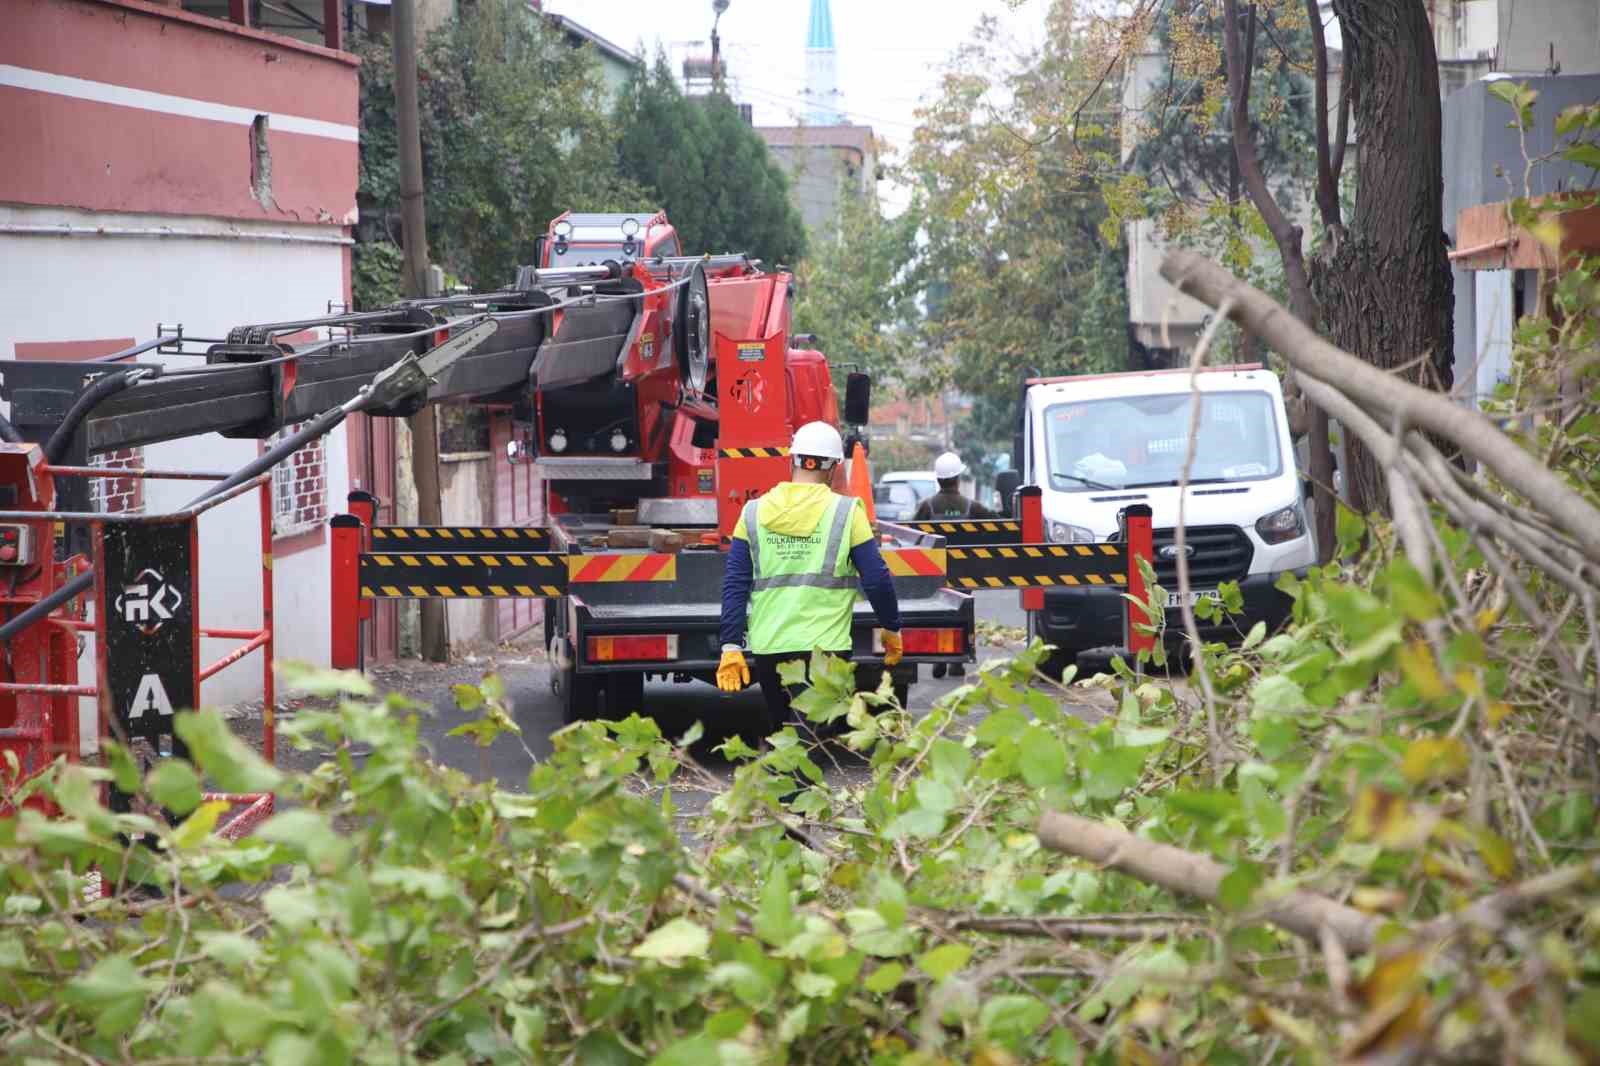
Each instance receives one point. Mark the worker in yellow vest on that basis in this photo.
(798, 556)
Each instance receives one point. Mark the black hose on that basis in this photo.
(98, 390)
(8, 432)
(41, 610)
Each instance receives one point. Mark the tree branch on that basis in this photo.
(1327, 188)
(1390, 396)
(1186, 873)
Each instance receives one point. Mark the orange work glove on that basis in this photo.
(732, 673)
(893, 649)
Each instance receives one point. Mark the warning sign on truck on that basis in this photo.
(752, 352)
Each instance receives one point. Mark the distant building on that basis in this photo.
(826, 155)
(163, 166)
(823, 161)
(1555, 48)
(1164, 325)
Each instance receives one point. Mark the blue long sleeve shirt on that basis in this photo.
(865, 557)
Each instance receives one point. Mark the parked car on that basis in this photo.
(898, 493)
(894, 501)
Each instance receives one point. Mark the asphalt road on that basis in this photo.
(537, 710)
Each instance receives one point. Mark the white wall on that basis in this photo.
(1494, 312)
(76, 288)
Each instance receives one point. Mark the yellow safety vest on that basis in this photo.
(803, 592)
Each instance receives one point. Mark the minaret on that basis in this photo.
(822, 83)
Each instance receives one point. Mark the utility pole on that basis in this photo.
(414, 275)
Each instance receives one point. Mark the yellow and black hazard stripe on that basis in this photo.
(1036, 565)
(959, 531)
(751, 453)
(505, 537)
(469, 575)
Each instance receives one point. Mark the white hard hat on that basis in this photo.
(948, 465)
(818, 440)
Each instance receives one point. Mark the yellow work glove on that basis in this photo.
(732, 673)
(893, 649)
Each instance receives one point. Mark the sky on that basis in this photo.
(890, 53)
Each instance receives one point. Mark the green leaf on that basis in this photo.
(776, 921)
(943, 960)
(112, 994)
(229, 761)
(1011, 1017)
(1043, 760)
(1239, 885)
(1277, 694)
(1257, 634)
(124, 770)
(199, 825)
(1107, 774)
(679, 939)
(949, 761)
(1003, 723)
(233, 950)
(814, 985)
(1410, 592)
(1262, 808)
(1585, 154)
(884, 978)
(696, 1050)
(934, 795)
(918, 823)
(1349, 528)
(727, 1024)
(468, 697)
(174, 784)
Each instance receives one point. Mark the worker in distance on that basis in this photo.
(946, 504)
(949, 502)
(798, 555)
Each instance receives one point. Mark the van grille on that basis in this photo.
(1221, 553)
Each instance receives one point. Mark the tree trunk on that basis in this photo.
(1385, 290)
(1238, 47)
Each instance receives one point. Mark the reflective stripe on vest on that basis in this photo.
(826, 578)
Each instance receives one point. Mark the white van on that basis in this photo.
(1095, 444)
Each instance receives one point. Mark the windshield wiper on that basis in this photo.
(1091, 484)
(1174, 482)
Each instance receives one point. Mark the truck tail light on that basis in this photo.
(632, 649)
(927, 641)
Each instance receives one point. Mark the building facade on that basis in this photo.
(169, 168)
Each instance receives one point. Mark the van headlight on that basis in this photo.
(1281, 525)
(1062, 533)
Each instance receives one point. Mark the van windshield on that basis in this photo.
(1139, 441)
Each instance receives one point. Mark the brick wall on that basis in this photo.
(122, 495)
(299, 489)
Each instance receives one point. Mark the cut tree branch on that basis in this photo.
(1388, 396)
(1187, 873)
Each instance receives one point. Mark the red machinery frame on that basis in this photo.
(44, 720)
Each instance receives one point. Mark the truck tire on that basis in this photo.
(581, 694)
(1057, 659)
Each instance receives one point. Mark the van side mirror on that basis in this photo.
(1006, 483)
(857, 399)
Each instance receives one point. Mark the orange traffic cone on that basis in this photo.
(861, 480)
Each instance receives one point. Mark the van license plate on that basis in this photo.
(1175, 599)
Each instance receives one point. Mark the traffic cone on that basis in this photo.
(861, 480)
